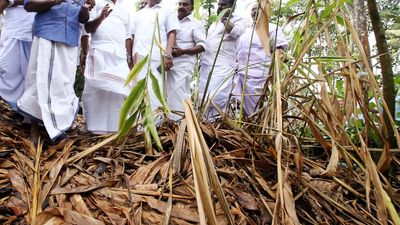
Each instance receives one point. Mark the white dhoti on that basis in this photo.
(253, 88)
(49, 86)
(14, 58)
(104, 91)
(178, 89)
(219, 88)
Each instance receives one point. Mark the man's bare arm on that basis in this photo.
(129, 45)
(171, 40)
(3, 5)
(41, 5)
(176, 52)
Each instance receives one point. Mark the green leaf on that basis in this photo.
(149, 125)
(136, 69)
(127, 125)
(222, 13)
(340, 20)
(197, 9)
(131, 101)
(157, 91)
(327, 11)
(290, 3)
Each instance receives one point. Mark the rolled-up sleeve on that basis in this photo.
(238, 29)
(199, 35)
(278, 39)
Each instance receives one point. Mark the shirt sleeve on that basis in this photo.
(133, 23)
(128, 26)
(277, 38)
(172, 21)
(199, 35)
(238, 29)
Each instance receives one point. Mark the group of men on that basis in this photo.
(40, 87)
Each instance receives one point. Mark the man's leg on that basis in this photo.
(178, 89)
(14, 56)
(55, 80)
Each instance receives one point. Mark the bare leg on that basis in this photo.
(34, 132)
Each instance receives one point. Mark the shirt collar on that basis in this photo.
(189, 17)
(155, 6)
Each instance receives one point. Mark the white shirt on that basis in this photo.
(17, 23)
(112, 33)
(190, 35)
(258, 55)
(227, 54)
(143, 28)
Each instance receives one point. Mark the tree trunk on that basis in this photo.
(360, 14)
(360, 17)
(386, 66)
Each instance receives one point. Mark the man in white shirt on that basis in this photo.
(16, 42)
(190, 41)
(143, 41)
(107, 66)
(259, 63)
(220, 84)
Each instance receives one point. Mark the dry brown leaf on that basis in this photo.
(74, 217)
(81, 189)
(176, 212)
(18, 206)
(79, 205)
(333, 162)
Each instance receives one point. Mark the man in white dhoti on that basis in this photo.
(143, 40)
(220, 85)
(107, 66)
(259, 64)
(190, 41)
(15, 47)
(49, 94)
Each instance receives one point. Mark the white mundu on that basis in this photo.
(257, 67)
(221, 81)
(106, 69)
(143, 27)
(16, 42)
(178, 79)
(49, 96)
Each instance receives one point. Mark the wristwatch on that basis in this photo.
(167, 55)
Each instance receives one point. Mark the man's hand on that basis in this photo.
(105, 12)
(176, 52)
(82, 64)
(129, 60)
(168, 64)
(229, 25)
(89, 4)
